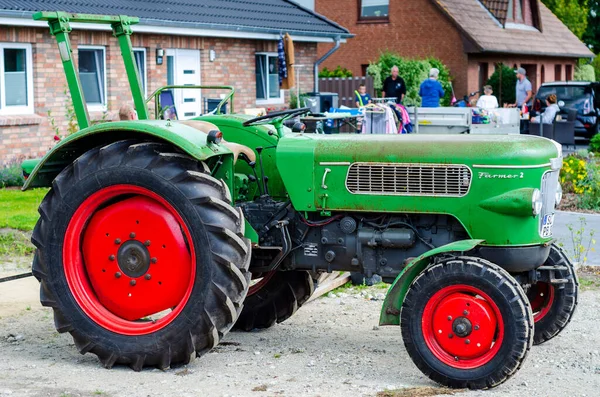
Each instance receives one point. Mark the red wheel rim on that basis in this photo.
(462, 326)
(541, 298)
(264, 280)
(128, 255)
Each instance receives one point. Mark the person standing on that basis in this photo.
(361, 98)
(487, 101)
(431, 90)
(394, 86)
(524, 90)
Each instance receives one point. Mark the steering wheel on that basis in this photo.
(276, 118)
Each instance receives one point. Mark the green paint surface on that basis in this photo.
(390, 312)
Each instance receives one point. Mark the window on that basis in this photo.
(140, 60)
(569, 72)
(374, 9)
(16, 78)
(515, 10)
(522, 15)
(267, 79)
(543, 74)
(557, 72)
(483, 74)
(92, 73)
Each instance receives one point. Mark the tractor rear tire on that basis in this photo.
(466, 323)
(141, 255)
(274, 299)
(554, 305)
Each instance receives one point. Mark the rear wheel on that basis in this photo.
(466, 323)
(273, 298)
(553, 305)
(141, 255)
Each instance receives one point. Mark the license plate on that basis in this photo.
(547, 223)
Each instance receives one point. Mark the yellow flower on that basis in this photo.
(581, 163)
(571, 161)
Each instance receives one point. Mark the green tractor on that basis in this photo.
(157, 237)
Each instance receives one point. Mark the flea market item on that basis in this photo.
(159, 236)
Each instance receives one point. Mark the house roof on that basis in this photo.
(260, 16)
(481, 23)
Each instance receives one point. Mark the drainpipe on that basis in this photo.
(337, 41)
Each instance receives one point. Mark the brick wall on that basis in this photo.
(416, 29)
(27, 136)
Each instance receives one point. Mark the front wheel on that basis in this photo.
(466, 323)
(553, 305)
(141, 255)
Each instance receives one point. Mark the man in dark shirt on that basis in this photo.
(394, 86)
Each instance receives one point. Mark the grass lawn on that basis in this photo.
(18, 210)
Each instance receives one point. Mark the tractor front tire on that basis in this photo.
(466, 323)
(553, 305)
(141, 255)
(274, 298)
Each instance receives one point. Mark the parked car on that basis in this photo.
(584, 96)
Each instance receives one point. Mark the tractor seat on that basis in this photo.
(236, 148)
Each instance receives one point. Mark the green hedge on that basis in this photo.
(413, 71)
(509, 82)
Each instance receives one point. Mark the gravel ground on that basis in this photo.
(331, 347)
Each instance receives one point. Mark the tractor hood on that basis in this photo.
(515, 150)
(470, 177)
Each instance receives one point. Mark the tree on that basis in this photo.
(584, 73)
(592, 34)
(413, 71)
(509, 80)
(573, 13)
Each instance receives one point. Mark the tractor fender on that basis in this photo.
(185, 137)
(390, 312)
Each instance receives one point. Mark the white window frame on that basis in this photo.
(95, 107)
(144, 76)
(270, 101)
(14, 110)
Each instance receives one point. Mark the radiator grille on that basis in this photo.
(409, 179)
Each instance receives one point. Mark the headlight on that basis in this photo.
(536, 202)
(558, 196)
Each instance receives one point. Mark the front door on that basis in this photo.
(183, 68)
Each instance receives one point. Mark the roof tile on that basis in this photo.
(555, 39)
(241, 15)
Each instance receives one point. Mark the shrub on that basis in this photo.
(11, 175)
(584, 73)
(294, 100)
(596, 65)
(413, 72)
(573, 173)
(509, 80)
(337, 72)
(595, 144)
(582, 177)
(589, 187)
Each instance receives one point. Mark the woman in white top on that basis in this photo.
(551, 111)
(487, 101)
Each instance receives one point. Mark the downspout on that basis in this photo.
(319, 61)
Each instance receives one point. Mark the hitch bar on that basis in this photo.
(16, 277)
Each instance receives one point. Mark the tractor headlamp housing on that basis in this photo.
(558, 196)
(215, 137)
(536, 202)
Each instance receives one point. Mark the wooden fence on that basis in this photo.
(345, 88)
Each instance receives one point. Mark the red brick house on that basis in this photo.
(470, 36)
(226, 42)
